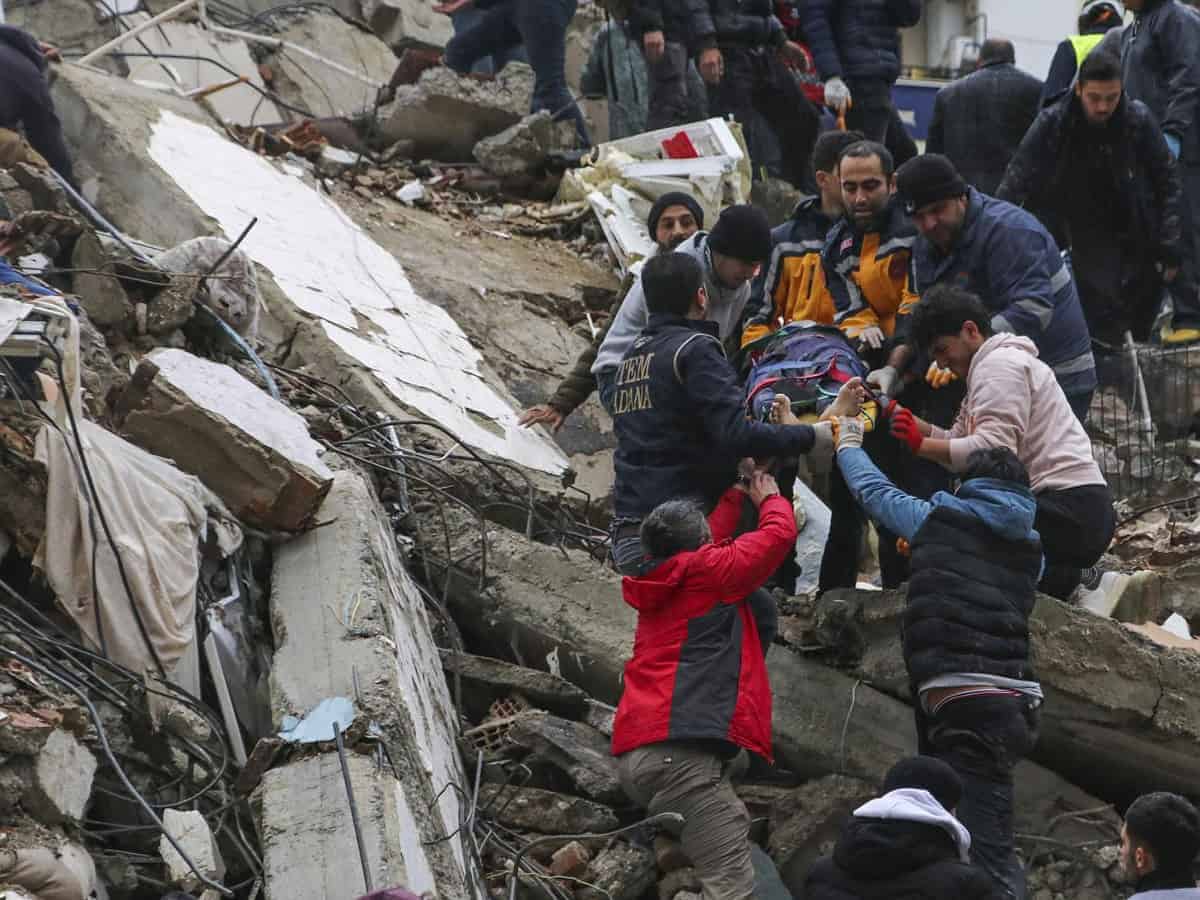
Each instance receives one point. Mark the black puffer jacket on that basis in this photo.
(1160, 59)
(978, 121)
(877, 859)
(737, 23)
(1132, 150)
(25, 98)
(857, 40)
(676, 19)
(975, 568)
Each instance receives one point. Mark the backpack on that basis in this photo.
(805, 361)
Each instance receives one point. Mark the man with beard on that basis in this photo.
(1096, 169)
(673, 219)
(1159, 843)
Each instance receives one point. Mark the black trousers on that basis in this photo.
(671, 100)
(874, 114)
(1076, 526)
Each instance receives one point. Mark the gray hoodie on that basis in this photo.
(916, 805)
(725, 307)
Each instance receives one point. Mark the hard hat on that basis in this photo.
(1093, 8)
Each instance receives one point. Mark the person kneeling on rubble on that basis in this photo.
(976, 560)
(696, 693)
(905, 844)
(25, 103)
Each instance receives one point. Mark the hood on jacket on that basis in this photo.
(658, 587)
(25, 43)
(995, 342)
(1007, 509)
(917, 806)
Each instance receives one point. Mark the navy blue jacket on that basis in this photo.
(680, 419)
(857, 40)
(737, 23)
(1008, 258)
(1160, 59)
(25, 100)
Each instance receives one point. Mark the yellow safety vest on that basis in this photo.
(1084, 44)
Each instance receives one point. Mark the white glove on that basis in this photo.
(885, 379)
(850, 433)
(872, 336)
(837, 95)
(821, 454)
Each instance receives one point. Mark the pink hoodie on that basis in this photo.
(1013, 400)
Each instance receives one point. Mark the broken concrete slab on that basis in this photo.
(488, 679)
(22, 733)
(581, 751)
(348, 621)
(522, 149)
(806, 824)
(100, 294)
(308, 842)
(407, 23)
(622, 872)
(191, 832)
(61, 782)
(547, 812)
(249, 449)
(447, 114)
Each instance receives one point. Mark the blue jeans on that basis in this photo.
(466, 19)
(541, 25)
(982, 739)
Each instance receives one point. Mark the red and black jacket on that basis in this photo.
(698, 670)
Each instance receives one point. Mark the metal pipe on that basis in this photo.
(358, 834)
(279, 43)
(98, 219)
(1143, 399)
(116, 42)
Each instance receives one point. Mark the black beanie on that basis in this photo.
(674, 198)
(927, 179)
(926, 773)
(742, 232)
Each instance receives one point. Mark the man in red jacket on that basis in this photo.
(696, 690)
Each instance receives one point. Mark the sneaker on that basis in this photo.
(1101, 593)
(1135, 597)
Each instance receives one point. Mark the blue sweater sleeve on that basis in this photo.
(882, 501)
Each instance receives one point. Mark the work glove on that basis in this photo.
(821, 453)
(872, 336)
(937, 377)
(1172, 144)
(837, 95)
(904, 426)
(849, 433)
(884, 379)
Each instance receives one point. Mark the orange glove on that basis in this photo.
(937, 377)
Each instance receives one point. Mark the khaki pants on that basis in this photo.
(676, 777)
(15, 149)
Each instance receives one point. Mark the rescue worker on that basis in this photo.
(1004, 255)
(1097, 171)
(978, 121)
(25, 103)
(1096, 19)
(1159, 843)
(674, 217)
(1160, 61)
(666, 30)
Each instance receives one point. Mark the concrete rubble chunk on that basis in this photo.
(446, 114)
(581, 751)
(570, 859)
(61, 780)
(489, 678)
(403, 23)
(23, 733)
(249, 449)
(622, 872)
(677, 882)
(547, 812)
(191, 832)
(806, 824)
(100, 294)
(522, 148)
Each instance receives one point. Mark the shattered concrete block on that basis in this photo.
(330, 92)
(805, 825)
(579, 750)
(192, 833)
(522, 148)
(600, 716)
(545, 811)
(403, 23)
(100, 294)
(61, 782)
(14, 776)
(622, 872)
(570, 860)
(334, 161)
(249, 449)
(446, 114)
(489, 679)
(22, 733)
(677, 882)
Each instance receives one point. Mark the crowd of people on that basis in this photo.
(958, 295)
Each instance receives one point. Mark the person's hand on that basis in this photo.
(781, 411)
(849, 400)
(655, 45)
(837, 95)
(543, 414)
(49, 51)
(937, 377)
(452, 6)
(711, 65)
(762, 486)
(849, 433)
(793, 54)
(872, 336)
(884, 379)
(904, 427)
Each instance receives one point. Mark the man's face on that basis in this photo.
(942, 222)
(955, 351)
(1099, 99)
(865, 189)
(732, 273)
(675, 225)
(831, 191)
